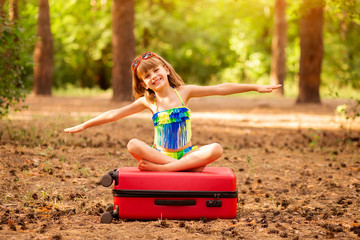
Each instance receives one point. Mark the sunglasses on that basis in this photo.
(137, 61)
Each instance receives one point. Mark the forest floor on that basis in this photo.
(297, 169)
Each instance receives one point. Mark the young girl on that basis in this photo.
(156, 86)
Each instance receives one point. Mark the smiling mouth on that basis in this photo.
(155, 82)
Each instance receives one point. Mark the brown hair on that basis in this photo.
(144, 66)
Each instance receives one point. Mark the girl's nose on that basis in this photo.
(152, 75)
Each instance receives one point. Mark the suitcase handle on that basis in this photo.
(167, 202)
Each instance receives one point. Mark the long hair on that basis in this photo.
(145, 65)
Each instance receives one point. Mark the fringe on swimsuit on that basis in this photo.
(173, 129)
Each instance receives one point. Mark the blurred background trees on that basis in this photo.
(15, 57)
(311, 48)
(226, 41)
(44, 52)
(279, 38)
(123, 45)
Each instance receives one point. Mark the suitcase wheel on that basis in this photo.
(106, 180)
(111, 171)
(109, 208)
(106, 217)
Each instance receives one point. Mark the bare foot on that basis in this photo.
(149, 166)
(198, 169)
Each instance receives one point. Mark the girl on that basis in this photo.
(156, 86)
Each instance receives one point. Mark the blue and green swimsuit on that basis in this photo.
(173, 129)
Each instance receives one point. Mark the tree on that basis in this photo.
(123, 48)
(13, 10)
(278, 61)
(14, 44)
(2, 13)
(43, 53)
(311, 51)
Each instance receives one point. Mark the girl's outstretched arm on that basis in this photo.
(227, 89)
(111, 115)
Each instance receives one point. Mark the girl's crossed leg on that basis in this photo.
(151, 159)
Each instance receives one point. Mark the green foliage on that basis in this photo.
(82, 39)
(341, 40)
(219, 43)
(207, 41)
(14, 42)
(315, 137)
(250, 164)
(188, 35)
(250, 40)
(349, 111)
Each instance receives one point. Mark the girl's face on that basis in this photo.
(156, 77)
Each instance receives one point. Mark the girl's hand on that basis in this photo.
(268, 88)
(75, 129)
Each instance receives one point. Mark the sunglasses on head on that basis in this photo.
(137, 61)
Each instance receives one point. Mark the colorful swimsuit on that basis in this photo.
(173, 129)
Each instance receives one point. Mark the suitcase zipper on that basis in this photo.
(184, 194)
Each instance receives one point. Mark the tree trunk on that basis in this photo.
(43, 53)
(14, 17)
(2, 13)
(13, 11)
(123, 45)
(278, 61)
(2, 25)
(311, 46)
(2, 16)
(101, 75)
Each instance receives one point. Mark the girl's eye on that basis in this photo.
(156, 69)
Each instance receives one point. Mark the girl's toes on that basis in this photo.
(141, 165)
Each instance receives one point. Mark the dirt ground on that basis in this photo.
(297, 169)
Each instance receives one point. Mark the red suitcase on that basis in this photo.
(171, 195)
